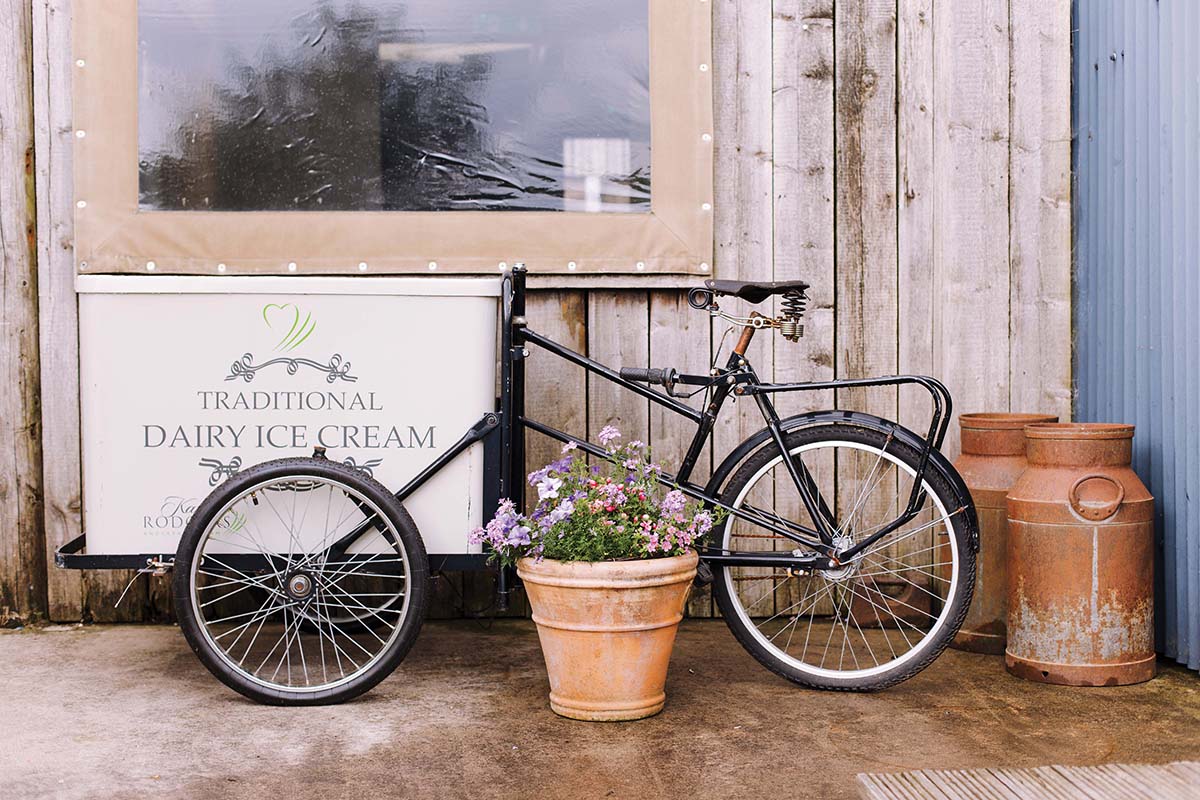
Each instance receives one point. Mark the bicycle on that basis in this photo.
(845, 560)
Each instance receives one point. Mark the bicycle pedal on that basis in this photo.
(704, 575)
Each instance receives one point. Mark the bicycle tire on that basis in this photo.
(955, 604)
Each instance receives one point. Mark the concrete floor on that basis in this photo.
(107, 712)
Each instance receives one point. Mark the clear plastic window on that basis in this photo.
(424, 105)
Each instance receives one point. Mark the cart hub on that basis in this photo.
(299, 585)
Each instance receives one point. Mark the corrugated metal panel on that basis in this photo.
(1137, 306)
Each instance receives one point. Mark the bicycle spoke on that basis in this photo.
(873, 610)
(899, 575)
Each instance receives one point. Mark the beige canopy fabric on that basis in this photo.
(114, 236)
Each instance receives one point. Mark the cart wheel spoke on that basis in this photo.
(301, 585)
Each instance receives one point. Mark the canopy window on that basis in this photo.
(325, 136)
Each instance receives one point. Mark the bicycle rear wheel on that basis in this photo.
(275, 608)
(879, 619)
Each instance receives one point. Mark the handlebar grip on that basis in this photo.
(640, 375)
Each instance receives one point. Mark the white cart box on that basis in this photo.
(186, 380)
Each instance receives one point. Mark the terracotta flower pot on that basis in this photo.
(607, 629)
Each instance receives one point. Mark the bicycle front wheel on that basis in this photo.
(301, 582)
(882, 617)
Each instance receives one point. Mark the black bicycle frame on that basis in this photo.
(737, 377)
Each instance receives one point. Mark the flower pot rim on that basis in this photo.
(651, 565)
(632, 573)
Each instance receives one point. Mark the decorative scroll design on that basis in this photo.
(335, 369)
(220, 470)
(366, 467)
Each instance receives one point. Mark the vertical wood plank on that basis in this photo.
(915, 155)
(446, 597)
(971, 186)
(744, 175)
(866, 199)
(804, 227)
(679, 338)
(744, 180)
(555, 390)
(1040, 207)
(58, 319)
(22, 539)
(618, 336)
(97, 590)
(915, 111)
(867, 257)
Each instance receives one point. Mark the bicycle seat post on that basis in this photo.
(747, 335)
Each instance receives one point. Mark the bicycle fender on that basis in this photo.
(937, 460)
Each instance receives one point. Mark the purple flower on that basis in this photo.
(613, 494)
(518, 536)
(569, 446)
(673, 502)
(548, 487)
(562, 511)
(608, 434)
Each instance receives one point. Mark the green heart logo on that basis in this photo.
(287, 316)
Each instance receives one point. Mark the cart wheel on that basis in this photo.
(301, 582)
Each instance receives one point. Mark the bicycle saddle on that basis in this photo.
(753, 292)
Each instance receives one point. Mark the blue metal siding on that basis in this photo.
(1136, 109)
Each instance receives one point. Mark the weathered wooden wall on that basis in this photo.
(22, 554)
(908, 158)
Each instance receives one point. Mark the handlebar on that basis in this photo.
(663, 377)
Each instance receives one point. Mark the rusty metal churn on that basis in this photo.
(1080, 560)
(993, 457)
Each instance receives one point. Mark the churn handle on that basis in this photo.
(1095, 513)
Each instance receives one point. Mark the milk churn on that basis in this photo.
(993, 457)
(1080, 559)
